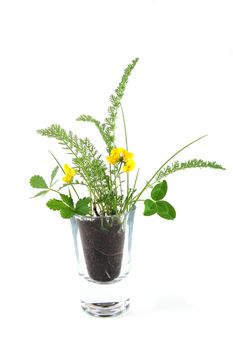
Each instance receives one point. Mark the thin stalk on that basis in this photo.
(126, 144)
(151, 179)
(110, 177)
(115, 187)
(136, 179)
(116, 175)
(51, 189)
(119, 177)
(128, 199)
(127, 180)
(125, 129)
(107, 206)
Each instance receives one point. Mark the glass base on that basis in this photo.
(105, 309)
(105, 299)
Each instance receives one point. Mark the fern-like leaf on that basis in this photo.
(108, 127)
(192, 163)
(97, 123)
(109, 124)
(68, 140)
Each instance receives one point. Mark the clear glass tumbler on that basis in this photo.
(103, 250)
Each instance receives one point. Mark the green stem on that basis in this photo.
(151, 179)
(126, 143)
(119, 178)
(128, 199)
(51, 189)
(108, 207)
(136, 179)
(125, 129)
(116, 175)
(110, 177)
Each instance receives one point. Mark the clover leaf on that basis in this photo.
(155, 205)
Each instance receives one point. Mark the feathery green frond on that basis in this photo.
(97, 123)
(192, 163)
(109, 124)
(69, 141)
(124, 80)
(108, 127)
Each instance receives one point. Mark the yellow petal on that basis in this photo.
(115, 156)
(69, 171)
(129, 166)
(67, 178)
(126, 155)
(111, 160)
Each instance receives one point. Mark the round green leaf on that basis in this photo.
(37, 181)
(150, 207)
(159, 191)
(165, 210)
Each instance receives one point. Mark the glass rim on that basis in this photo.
(104, 216)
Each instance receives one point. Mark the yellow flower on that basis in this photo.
(126, 155)
(129, 165)
(115, 156)
(69, 173)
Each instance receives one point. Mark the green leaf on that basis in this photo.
(159, 191)
(67, 199)
(42, 193)
(83, 206)
(37, 181)
(54, 173)
(150, 207)
(165, 210)
(66, 212)
(55, 204)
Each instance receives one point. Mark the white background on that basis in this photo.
(60, 59)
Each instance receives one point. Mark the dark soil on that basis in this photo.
(103, 245)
